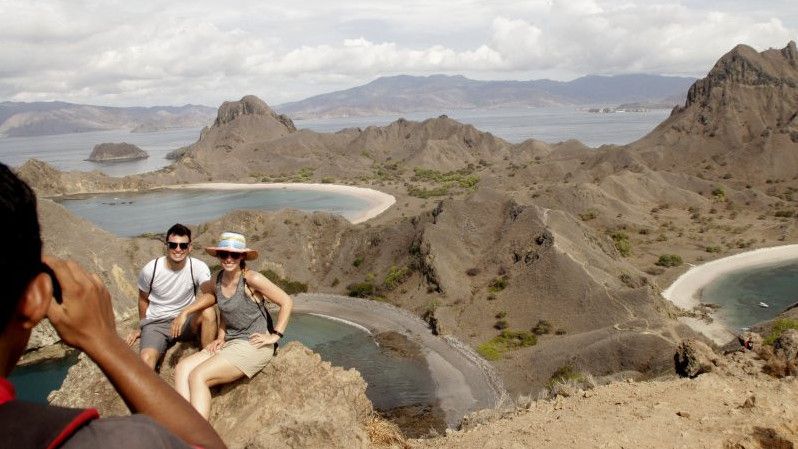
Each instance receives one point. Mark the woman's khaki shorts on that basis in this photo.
(246, 357)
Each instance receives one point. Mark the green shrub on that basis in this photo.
(543, 327)
(588, 215)
(505, 341)
(779, 326)
(490, 351)
(669, 260)
(357, 262)
(565, 374)
(718, 192)
(713, 249)
(360, 289)
(395, 276)
(501, 324)
(497, 284)
(784, 213)
(622, 243)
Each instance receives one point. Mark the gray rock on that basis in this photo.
(107, 152)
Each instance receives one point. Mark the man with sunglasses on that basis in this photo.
(167, 285)
(79, 307)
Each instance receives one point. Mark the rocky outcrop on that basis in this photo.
(116, 152)
(694, 357)
(297, 401)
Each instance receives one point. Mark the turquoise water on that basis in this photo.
(130, 214)
(392, 382)
(740, 292)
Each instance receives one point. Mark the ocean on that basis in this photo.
(552, 124)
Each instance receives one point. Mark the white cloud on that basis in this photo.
(155, 53)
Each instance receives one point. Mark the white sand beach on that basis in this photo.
(378, 201)
(685, 291)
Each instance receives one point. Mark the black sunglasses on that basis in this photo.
(54, 280)
(225, 254)
(174, 245)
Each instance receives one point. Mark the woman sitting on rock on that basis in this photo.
(246, 340)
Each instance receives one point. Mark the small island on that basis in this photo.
(116, 152)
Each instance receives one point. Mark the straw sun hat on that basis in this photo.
(234, 243)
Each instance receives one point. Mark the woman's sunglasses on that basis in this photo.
(174, 245)
(54, 280)
(225, 254)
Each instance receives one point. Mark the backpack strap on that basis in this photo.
(31, 425)
(193, 283)
(152, 279)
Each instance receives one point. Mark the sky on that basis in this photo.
(146, 53)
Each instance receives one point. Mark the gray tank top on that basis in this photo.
(242, 316)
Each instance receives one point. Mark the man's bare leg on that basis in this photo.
(150, 357)
(207, 325)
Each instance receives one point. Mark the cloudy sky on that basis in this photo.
(204, 52)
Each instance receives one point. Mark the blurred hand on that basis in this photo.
(214, 346)
(85, 317)
(132, 337)
(261, 340)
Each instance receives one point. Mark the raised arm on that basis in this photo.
(85, 320)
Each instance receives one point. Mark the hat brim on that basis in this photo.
(249, 254)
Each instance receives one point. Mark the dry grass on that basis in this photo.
(384, 433)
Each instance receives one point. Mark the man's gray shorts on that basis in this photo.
(157, 334)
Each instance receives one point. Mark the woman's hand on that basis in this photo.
(261, 340)
(214, 346)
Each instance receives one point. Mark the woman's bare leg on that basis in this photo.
(213, 371)
(183, 369)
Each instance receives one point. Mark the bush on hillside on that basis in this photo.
(669, 260)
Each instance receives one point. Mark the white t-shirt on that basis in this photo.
(171, 290)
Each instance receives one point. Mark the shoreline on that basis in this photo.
(462, 384)
(378, 201)
(685, 291)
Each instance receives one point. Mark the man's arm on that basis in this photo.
(85, 320)
(144, 303)
(206, 297)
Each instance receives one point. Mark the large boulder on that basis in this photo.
(298, 400)
(694, 357)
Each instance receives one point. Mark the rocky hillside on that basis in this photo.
(43, 118)
(740, 122)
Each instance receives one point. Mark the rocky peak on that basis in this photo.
(744, 66)
(250, 105)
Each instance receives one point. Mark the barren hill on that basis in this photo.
(741, 120)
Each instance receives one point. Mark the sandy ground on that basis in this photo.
(685, 291)
(378, 201)
(743, 408)
(464, 382)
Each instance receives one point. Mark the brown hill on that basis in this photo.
(743, 116)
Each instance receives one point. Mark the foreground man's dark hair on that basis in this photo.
(19, 228)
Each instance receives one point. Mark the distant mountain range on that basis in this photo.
(43, 118)
(406, 93)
